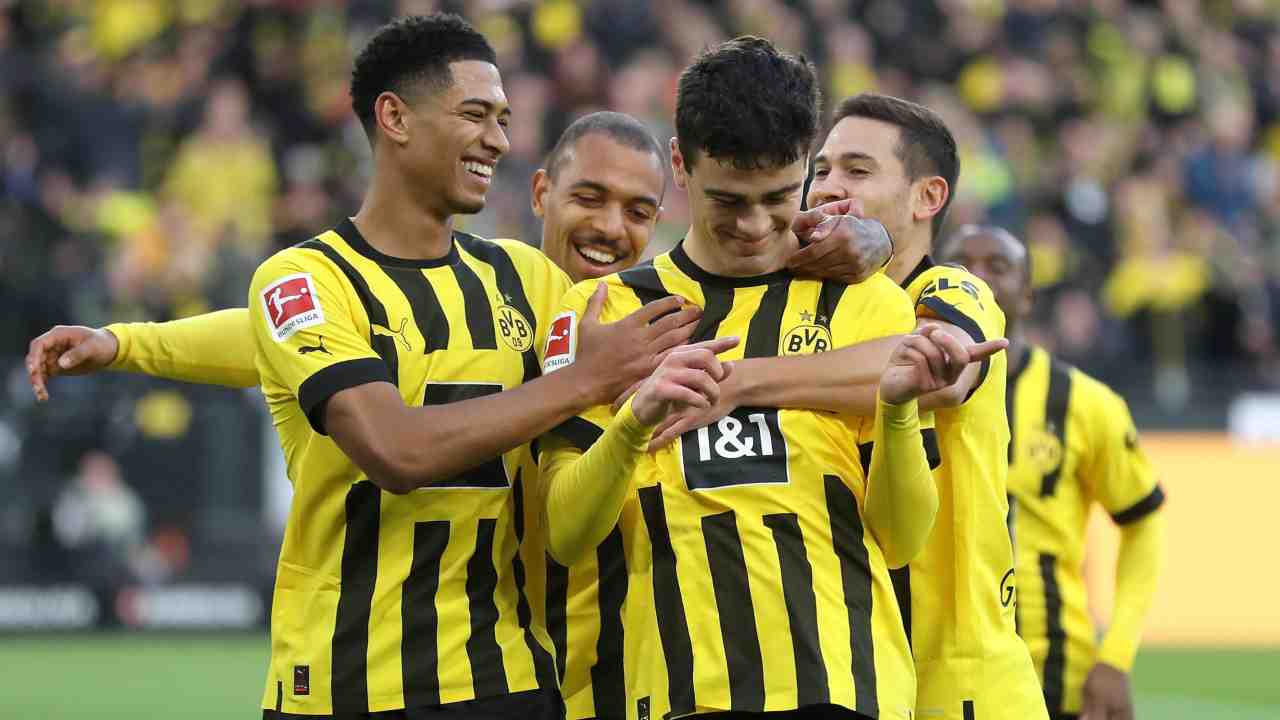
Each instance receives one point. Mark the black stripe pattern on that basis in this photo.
(1055, 661)
(476, 306)
(901, 579)
(855, 573)
(384, 345)
(812, 687)
(510, 285)
(1055, 417)
(543, 667)
(579, 432)
(608, 685)
(644, 282)
(419, 648)
(488, 675)
(718, 302)
(1142, 508)
(557, 610)
(728, 565)
(673, 626)
(428, 314)
(359, 574)
(766, 324)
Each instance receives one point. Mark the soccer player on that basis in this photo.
(752, 557)
(1073, 443)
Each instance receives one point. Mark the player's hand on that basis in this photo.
(68, 350)
(838, 243)
(616, 356)
(1107, 695)
(688, 377)
(690, 418)
(928, 360)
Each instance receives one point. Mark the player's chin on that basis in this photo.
(468, 204)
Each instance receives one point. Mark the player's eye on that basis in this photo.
(504, 121)
(588, 200)
(821, 172)
(641, 215)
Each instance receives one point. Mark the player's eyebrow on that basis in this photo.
(727, 196)
(488, 105)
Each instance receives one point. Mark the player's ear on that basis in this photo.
(390, 113)
(930, 197)
(678, 173)
(538, 194)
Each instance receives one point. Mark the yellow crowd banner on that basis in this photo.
(1220, 580)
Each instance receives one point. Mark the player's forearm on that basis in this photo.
(901, 498)
(1137, 569)
(215, 348)
(586, 490)
(842, 381)
(424, 445)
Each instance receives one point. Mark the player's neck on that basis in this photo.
(703, 252)
(397, 224)
(907, 253)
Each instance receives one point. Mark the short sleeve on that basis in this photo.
(307, 333)
(874, 308)
(956, 296)
(559, 351)
(1117, 467)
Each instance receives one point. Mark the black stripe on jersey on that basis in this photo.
(350, 650)
(855, 574)
(491, 473)
(608, 686)
(949, 314)
(802, 609)
(928, 438)
(644, 282)
(1017, 366)
(419, 649)
(479, 310)
(719, 301)
(766, 324)
(1055, 416)
(967, 708)
(557, 609)
(673, 626)
(1055, 661)
(829, 298)
(428, 314)
(383, 345)
(582, 434)
(901, 579)
(510, 285)
(543, 667)
(1142, 508)
(325, 383)
(488, 676)
(738, 632)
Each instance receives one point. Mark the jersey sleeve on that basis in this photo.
(215, 348)
(307, 332)
(956, 296)
(559, 350)
(1122, 478)
(873, 309)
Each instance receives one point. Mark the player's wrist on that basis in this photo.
(116, 335)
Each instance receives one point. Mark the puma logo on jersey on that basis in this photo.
(397, 334)
(308, 349)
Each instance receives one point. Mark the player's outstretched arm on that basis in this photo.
(402, 448)
(901, 496)
(586, 490)
(215, 348)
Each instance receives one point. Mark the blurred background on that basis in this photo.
(152, 152)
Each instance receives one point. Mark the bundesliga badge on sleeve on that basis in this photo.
(290, 304)
(562, 342)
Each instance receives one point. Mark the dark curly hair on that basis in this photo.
(927, 146)
(746, 103)
(410, 54)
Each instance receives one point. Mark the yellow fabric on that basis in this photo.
(1137, 570)
(216, 348)
(415, 599)
(901, 499)
(1074, 443)
(961, 585)
(747, 533)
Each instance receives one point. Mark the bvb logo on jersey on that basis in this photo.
(1044, 450)
(514, 328)
(809, 337)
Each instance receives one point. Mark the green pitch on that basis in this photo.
(221, 676)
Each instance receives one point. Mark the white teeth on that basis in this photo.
(479, 168)
(599, 256)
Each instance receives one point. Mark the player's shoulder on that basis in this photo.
(313, 255)
(1090, 397)
(942, 276)
(523, 255)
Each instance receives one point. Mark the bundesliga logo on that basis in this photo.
(561, 342)
(291, 305)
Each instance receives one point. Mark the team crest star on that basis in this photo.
(806, 317)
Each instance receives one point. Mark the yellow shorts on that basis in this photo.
(997, 687)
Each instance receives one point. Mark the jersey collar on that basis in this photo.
(925, 263)
(351, 234)
(690, 268)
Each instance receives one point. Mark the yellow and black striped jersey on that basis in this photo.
(958, 594)
(1073, 443)
(741, 575)
(389, 601)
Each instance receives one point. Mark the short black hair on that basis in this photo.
(968, 231)
(622, 128)
(927, 146)
(747, 103)
(413, 53)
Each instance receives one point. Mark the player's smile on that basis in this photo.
(479, 171)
